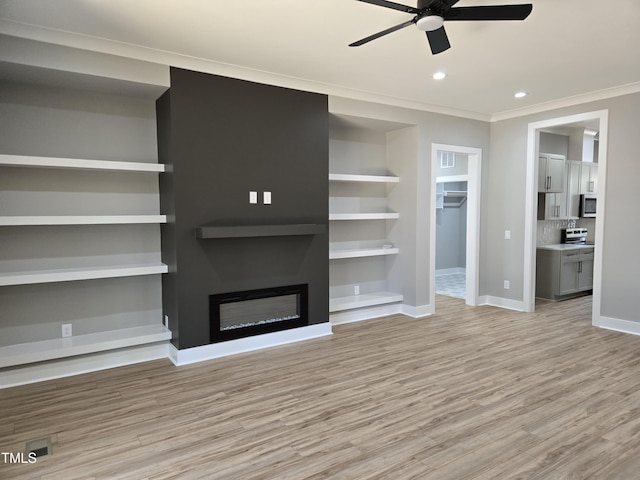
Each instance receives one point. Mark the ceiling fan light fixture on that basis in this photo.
(429, 22)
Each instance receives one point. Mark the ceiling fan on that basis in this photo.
(430, 16)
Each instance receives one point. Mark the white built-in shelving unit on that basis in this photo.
(56, 348)
(360, 220)
(77, 230)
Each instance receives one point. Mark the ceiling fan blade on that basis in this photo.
(393, 5)
(490, 12)
(380, 34)
(438, 40)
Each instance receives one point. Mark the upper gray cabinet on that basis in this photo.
(589, 178)
(551, 173)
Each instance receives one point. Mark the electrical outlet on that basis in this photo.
(507, 234)
(253, 197)
(165, 321)
(507, 285)
(356, 290)
(66, 330)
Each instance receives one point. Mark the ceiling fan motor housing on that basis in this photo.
(429, 22)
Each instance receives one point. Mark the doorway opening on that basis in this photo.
(455, 222)
(597, 121)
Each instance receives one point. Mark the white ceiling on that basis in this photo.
(566, 48)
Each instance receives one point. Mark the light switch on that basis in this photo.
(267, 198)
(507, 234)
(253, 197)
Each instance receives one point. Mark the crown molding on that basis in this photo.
(568, 102)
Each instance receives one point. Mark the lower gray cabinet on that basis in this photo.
(563, 273)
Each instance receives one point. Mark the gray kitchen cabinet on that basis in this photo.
(589, 178)
(564, 271)
(552, 206)
(551, 173)
(574, 172)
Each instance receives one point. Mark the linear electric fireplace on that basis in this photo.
(254, 312)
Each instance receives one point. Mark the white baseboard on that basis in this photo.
(66, 367)
(416, 312)
(617, 324)
(247, 344)
(500, 302)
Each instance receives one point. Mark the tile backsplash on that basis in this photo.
(549, 230)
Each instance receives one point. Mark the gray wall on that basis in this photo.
(554, 143)
(506, 184)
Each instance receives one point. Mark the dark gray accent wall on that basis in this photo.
(221, 138)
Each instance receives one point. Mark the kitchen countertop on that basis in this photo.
(566, 246)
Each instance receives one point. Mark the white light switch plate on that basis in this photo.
(253, 197)
(267, 198)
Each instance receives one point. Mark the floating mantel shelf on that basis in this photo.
(240, 231)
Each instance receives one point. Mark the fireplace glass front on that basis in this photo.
(254, 312)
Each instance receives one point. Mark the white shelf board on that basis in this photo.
(22, 220)
(40, 351)
(364, 216)
(362, 252)
(77, 163)
(345, 177)
(339, 304)
(73, 274)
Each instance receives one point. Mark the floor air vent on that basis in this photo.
(40, 447)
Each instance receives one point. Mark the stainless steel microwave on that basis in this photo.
(588, 205)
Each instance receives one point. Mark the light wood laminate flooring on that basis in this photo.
(468, 393)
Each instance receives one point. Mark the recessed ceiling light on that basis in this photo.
(439, 75)
(520, 94)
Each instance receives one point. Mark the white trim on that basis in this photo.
(490, 300)
(618, 325)
(474, 180)
(531, 204)
(40, 372)
(247, 344)
(416, 312)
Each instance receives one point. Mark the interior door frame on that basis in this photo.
(531, 206)
(474, 174)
